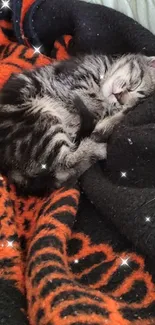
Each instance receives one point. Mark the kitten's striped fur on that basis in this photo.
(41, 118)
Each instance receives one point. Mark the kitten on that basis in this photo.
(44, 137)
(130, 80)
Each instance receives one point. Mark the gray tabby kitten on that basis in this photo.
(41, 118)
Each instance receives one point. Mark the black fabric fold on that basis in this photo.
(93, 27)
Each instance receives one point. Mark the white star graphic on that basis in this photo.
(130, 141)
(5, 4)
(124, 174)
(43, 166)
(37, 49)
(147, 219)
(125, 261)
(76, 261)
(10, 243)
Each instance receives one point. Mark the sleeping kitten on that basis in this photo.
(42, 125)
(130, 80)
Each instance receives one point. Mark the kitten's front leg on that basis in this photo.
(104, 128)
(77, 161)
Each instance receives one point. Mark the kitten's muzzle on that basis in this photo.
(119, 97)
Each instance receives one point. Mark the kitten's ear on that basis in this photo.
(151, 61)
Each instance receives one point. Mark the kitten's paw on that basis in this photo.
(100, 151)
(102, 131)
(105, 127)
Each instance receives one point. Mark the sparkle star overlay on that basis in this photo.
(123, 174)
(76, 261)
(10, 243)
(37, 49)
(5, 4)
(148, 219)
(124, 261)
(43, 166)
(130, 141)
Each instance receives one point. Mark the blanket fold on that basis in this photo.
(124, 190)
(93, 27)
(83, 255)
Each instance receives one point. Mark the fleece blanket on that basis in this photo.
(143, 13)
(84, 255)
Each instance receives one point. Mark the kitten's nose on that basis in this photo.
(119, 97)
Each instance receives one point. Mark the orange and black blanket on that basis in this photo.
(85, 255)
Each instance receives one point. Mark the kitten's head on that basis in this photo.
(130, 79)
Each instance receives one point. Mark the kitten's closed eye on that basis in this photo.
(141, 92)
(93, 95)
(134, 85)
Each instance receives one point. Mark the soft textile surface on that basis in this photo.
(142, 11)
(80, 257)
